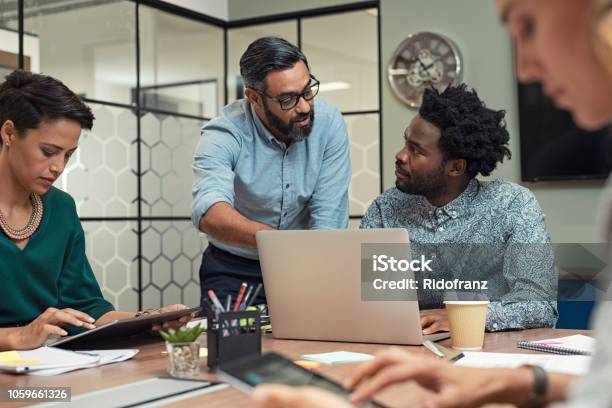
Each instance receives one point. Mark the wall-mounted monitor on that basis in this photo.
(553, 147)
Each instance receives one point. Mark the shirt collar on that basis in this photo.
(463, 203)
(263, 131)
(458, 206)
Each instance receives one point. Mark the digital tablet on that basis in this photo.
(117, 329)
(272, 368)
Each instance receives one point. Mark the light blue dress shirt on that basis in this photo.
(303, 186)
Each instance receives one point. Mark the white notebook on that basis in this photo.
(577, 344)
(577, 365)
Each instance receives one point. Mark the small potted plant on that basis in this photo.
(183, 351)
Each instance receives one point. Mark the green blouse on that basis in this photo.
(52, 270)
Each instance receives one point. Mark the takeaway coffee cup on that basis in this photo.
(467, 323)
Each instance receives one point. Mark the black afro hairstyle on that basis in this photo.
(469, 130)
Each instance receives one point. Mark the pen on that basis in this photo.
(241, 291)
(450, 355)
(246, 298)
(254, 295)
(228, 302)
(215, 300)
(432, 347)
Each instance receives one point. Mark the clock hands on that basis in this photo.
(403, 71)
(417, 68)
(427, 61)
(398, 71)
(426, 68)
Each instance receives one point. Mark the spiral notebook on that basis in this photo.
(577, 344)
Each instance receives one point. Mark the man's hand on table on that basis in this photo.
(434, 320)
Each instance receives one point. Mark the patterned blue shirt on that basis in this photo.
(496, 213)
(303, 186)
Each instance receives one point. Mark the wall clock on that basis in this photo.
(423, 60)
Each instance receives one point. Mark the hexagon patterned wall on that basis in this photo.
(168, 145)
(171, 256)
(112, 249)
(102, 177)
(365, 161)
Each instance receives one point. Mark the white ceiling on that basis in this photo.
(213, 8)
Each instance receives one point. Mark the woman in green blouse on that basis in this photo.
(46, 280)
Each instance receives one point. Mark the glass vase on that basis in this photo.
(184, 359)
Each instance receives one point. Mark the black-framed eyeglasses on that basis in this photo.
(290, 101)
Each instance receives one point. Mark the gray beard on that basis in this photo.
(289, 131)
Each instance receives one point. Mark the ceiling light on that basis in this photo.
(334, 86)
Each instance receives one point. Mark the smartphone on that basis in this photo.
(272, 368)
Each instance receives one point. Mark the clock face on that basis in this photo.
(423, 60)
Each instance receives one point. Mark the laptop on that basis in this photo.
(313, 288)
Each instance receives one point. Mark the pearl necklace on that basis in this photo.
(32, 225)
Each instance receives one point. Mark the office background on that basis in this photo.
(154, 71)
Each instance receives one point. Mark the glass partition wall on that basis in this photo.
(153, 74)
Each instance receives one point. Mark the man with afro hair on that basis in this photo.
(440, 201)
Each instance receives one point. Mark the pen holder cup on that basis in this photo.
(231, 335)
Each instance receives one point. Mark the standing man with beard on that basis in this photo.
(499, 224)
(267, 163)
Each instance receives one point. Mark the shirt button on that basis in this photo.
(495, 325)
(285, 214)
(287, 186)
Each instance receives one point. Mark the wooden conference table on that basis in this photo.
(150, 362)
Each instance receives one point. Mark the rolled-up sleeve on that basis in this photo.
(329, 202)
(213, 168)
(529, 272)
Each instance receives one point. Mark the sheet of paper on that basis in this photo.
(338, 357)
(577, 365)
(44, 358)
(13, 358)
(105, 357)
(578, 341)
